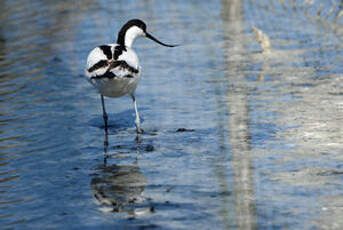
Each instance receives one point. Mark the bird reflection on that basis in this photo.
(120, 188)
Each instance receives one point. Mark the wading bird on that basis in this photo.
(114, 69)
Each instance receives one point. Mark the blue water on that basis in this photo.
(234, 138)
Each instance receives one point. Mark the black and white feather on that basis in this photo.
(113, 69)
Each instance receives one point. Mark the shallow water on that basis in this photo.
(235, 138)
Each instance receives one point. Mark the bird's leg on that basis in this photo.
(104, 112)
(105, 148)
(137, 120)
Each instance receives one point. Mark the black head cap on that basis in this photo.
(133, 22)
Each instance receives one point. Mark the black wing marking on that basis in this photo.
(124, 65)
(98, 65)
(111, 65)
(107, 51)
(118, 50)
(107, 74)
(110, 75)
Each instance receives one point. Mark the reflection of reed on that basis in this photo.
(220, 169)
(242, 161)
(239, 122)
(118, 188)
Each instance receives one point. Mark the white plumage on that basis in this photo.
(114, 69)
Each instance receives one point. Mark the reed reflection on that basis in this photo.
(239, 130)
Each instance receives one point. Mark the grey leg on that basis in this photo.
(137, 120)
(105, 148)
(104, 112)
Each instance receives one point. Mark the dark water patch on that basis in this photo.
(184, 130)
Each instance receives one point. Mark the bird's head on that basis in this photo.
(133, 29)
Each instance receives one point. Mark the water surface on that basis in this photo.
(235, 138)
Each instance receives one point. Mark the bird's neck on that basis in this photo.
(126, 37)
